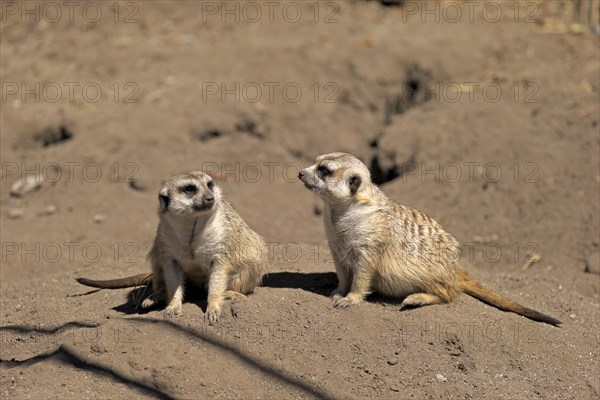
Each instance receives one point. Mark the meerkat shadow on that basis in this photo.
(133, 305)
(322, 283)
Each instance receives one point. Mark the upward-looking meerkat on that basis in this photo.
(200, 237)
(379, 245)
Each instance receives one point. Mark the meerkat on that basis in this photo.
(200, 238)
(381, 246)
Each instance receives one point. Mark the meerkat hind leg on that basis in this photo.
(420, 299)
(232, 294)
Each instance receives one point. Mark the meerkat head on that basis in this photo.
(336, 177)
(189, 194)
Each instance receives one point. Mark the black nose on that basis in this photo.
(208, 199)
(300, 174)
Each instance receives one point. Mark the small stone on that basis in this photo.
(393, 361)
(51, 209)
(394, 388)
(441, 378)
(23, 186)
(15, 213)
(99, 218)
(317, 210)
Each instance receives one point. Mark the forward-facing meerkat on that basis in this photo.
(200, 237)
(379, 245)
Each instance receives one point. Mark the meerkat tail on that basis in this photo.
(130, 281)
(476, 289)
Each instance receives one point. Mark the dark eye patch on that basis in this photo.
(323, 170)
(210, 185)
(189, 189)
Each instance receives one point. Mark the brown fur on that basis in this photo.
(378, 245)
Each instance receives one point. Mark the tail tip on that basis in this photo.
(555, 322)
(549, 320)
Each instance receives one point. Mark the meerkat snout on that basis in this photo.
(205, 203)
(334, 180)
(196, 194)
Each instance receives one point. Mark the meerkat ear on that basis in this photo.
(354, 183)
(164, 199)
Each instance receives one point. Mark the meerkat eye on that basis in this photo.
(189, 189)
(210, 185)
(323, 170)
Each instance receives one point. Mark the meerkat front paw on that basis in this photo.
(171, 311)
(212, 313)
(345, 302)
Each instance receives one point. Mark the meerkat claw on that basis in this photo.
(344, 302)
(171, 312)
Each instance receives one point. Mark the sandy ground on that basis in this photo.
(489, 125)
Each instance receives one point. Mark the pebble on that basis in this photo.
(394, 388)
(23, 186)
(51, 209)
(99, 218)
(393, 361)
(15, 213)
(441, 378)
